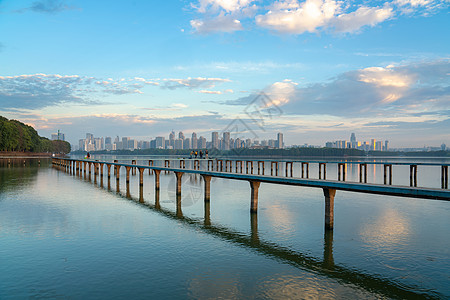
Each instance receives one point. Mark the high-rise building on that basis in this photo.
(386, 145)
(194, 141)
(187, 143)
(125, 142)
(353, 140)
(226, 141)
(172, 139)
(160, 142)
(178, 144)
(181, 135)
(280, 142)
(215, 140)
(201, 143)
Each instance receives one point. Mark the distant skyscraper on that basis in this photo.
(160, 142)
(280, 140)
(181, 135)
(386, 145)
(353, 140)
(187, 143)
(201, 143)
(226, 141)
(194, 141)
(125, 142)
(172, 139)
(215, 140)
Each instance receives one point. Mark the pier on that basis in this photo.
(223, 168)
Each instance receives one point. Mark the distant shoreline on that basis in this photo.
(24, 154)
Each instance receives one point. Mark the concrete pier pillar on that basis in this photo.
(341, 170)
(95, 169)
(157, 173)
(254, 196)
(117, 168)
(363, 170)
(207, 216)
(128, 173)
(211, 162)
(261, 163)
(386, 168)
(328, 258)
(444, 177)
(167, 165)
(324, 165)
(289, 168)
(128, 194)
(141, 176)
(133, 170)
(150, 164)
(90, 166)
(413, 175)
(179, 175)
(157, 204)
(207, 180)
(274, 163)
(329, 207)
(254, 236)
(108, 166)
(307, 169)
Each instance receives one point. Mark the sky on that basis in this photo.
(316, 70)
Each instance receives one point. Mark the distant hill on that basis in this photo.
(15, 136)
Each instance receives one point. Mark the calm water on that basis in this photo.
(62, 236)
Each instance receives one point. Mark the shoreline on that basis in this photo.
(18, 154)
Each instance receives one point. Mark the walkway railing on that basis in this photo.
(78, 166)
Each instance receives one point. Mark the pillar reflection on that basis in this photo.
(207, 213)
(254, 237)
(328, 259)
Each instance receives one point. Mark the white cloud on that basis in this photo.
(298, 17)
(34, 91)
(294, 17)
(363, 16)
(221, 23)
(193, 83)
(227, 5)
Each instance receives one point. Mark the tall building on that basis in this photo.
(386, 145)
(187, 143)
(353, 140)
(280, 142)
(201, 143)
(215, 140)
(178, 144)
(181, 135)
(194, 141)
(58, 136)
(160, 142)
(125, 142)
(226, 141)
(172, 140)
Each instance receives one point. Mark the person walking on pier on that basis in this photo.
(201, 154)
(206, 153)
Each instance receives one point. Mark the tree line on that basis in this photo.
(16, 136)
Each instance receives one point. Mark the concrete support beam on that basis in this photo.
(108, 166)
(207, 180)
(361, 168)
(324, 165)
(179, 175)
(133, 170)
(341, 170)
(128, 174)
(254, 196)
(157, 173)
(117, 173)
(141, 176)
(329, 207)
(444, 177)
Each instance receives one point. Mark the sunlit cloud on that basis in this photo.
(298, 17)
(193, 83)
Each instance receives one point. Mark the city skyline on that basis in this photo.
(327, 67)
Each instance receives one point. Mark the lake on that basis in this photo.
(64, 236)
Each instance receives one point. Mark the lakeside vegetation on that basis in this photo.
(16, 137)
(264, 152)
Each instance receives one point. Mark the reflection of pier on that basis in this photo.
(329, 186)
(322, 266)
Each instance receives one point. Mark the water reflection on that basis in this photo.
(324, 266)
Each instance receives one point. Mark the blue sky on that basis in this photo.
(327, 68)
